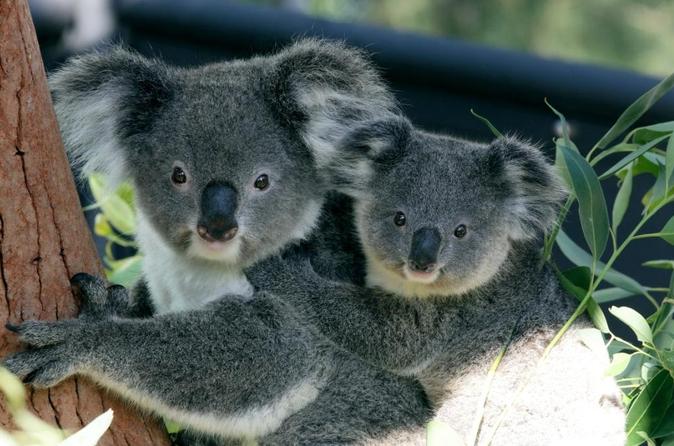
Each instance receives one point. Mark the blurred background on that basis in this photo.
(591, 59)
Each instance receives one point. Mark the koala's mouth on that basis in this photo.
(222, 251)
(424, 277)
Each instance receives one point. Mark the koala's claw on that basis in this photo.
(42, 368)
(99, 301)
(49, 358)
(41, 333)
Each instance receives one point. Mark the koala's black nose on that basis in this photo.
(218, 208)
(425, 248)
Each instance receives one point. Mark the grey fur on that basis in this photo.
(338, 363)
(489, 286)
(240, 366)
(281, 115)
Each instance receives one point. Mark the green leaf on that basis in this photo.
(636, 110)
(591, 202)
(666, 426)
(576, 281)
(635, 321)
(441, 434)
(172, 427)
(125, 272)
(642, 135)
(622, 200)
(580, 257)
(117, 211)
(667, 359)
(659, 264)
(657, 192)
(668, 228)
(618, 364)
(669, 162)
(648, 408)
(649, 441)
(611, 294)
(631, 157)
(562, 120)
(493, 129)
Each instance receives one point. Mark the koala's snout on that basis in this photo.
(424, 251)
(218, 213)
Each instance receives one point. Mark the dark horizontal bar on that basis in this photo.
(470, 69)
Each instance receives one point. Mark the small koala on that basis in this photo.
(230, 163)
(447, 239)
(226, 159)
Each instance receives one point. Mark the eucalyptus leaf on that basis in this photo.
(666, 426)
(619, 363)
(645, 164)
(580, 257)
(562, 120)
(667, 359)
(668, 228)
(126, 271)
(657, 192)
(591, 202)
(669, 162)
(659, 264)
(636, 111)
(622, 200)
(117, 211)
(648, 408)
(576, 281)
(631, 157)
(611, 294)
(644, 134)
(649, 441)
(635, 321)
(486, 121)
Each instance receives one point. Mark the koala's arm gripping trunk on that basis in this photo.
(235, 368)
(43, 236)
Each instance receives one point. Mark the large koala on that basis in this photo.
(446, 235)
(226, 159)
(230, 163)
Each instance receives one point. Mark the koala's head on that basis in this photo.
(437, 215)
(226, 159)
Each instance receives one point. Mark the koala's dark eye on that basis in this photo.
(399, 219)
(262, 182)
(460, 231)
(179, 176)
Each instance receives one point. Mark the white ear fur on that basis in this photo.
(89, 126)
(94, 96)
(336, 89)
(375, 143)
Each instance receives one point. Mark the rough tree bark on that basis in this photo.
(43, 237)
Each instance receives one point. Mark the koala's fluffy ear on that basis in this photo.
(323, 89)
(533, 189)
(102, 100)
(372, 146)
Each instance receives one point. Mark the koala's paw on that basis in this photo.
(99, 301)
(52, 356)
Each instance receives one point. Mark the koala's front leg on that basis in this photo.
(235, 368)
(398, 334)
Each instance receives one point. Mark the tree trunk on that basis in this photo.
(43, 236)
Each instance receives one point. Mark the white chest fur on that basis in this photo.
(177, 283)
